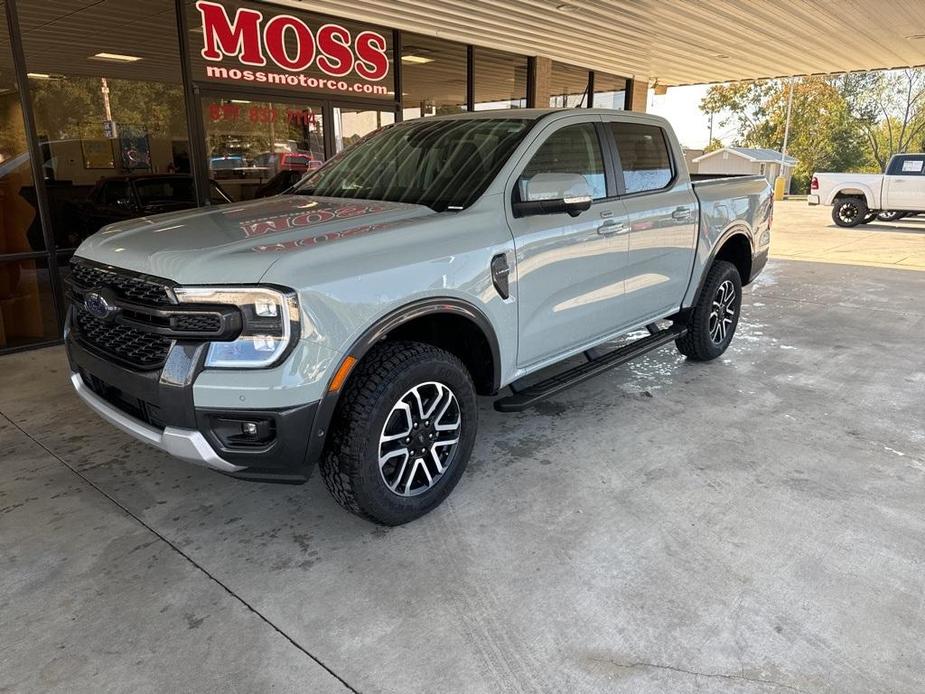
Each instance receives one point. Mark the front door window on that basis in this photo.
(253, 144)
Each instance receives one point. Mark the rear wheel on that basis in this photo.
(716, 315)
(890, 215)
(849, 212)
(403, 433)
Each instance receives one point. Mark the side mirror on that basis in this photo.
(553, 193)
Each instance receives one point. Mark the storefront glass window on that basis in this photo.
(353, 124)
(433, 77)
(609, 91)
(27, 313)
(500, 79)
(568, 86)
(259, 46)
(20, 229)
(254, 146)
(104, 79)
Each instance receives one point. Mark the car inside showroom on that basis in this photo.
(462, 346)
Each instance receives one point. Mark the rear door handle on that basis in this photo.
(681, 213)
(612, 227)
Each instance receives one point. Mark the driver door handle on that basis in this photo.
(681, 213)
(612, 227)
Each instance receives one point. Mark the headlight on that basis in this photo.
(270, 323)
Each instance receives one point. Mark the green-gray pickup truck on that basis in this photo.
(352, 321)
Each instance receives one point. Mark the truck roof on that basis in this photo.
(537, 113)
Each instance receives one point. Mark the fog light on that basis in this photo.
(243, 433)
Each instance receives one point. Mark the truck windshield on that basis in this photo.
(444, 164)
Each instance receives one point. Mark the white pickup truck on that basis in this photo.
(858, 198)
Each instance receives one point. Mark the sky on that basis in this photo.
(681, 106)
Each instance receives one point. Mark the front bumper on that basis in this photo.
(184, 444)
(157, 407)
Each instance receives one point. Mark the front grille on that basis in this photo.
(133, 347)
(131, 287)
(144, 317)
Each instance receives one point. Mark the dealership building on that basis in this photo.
(113, 109)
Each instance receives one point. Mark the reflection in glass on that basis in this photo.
(644, 156)
(500, 79)
(108, 101)
(250, 143)
(27, 313)
(609, 91)
(353, 124)
(568, 86)
(20, 228)
(433, 77)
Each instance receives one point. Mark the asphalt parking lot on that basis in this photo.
(756, 524)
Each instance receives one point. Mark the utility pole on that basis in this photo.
(781, 181)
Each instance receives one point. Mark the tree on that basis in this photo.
(890, 109)
(824, 134)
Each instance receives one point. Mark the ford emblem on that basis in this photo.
(97, 306)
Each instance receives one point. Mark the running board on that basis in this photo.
(522, 399)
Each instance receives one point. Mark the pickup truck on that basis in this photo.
(858, 198)
(352, 321)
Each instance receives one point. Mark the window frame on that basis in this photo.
(610, 177)
(896, 165)
(618, 163)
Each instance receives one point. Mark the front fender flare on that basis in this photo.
(379, 330)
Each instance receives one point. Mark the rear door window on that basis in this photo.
(644, 156)
(574, 149)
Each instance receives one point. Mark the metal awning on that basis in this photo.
(672, 42)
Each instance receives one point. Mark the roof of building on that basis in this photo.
(759, 154)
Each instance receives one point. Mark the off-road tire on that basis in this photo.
(350, 464)
(698, 343)
(871, 217)
(890, 215)
(849, 212)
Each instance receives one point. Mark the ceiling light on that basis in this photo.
(43, 76)
(115, 57)
(721, 56)
(416, 59)
(915, 37)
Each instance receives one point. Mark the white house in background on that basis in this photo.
(744, 160)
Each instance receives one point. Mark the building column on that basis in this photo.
(637, 93)
(539, 82)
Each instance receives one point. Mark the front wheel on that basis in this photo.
(849, 212)
(716, 315)
(403, 433)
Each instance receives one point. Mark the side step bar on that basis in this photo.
(522, 399)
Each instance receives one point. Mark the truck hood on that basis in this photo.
(222, 244)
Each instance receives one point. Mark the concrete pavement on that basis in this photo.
(803, 232)
(752, 525)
